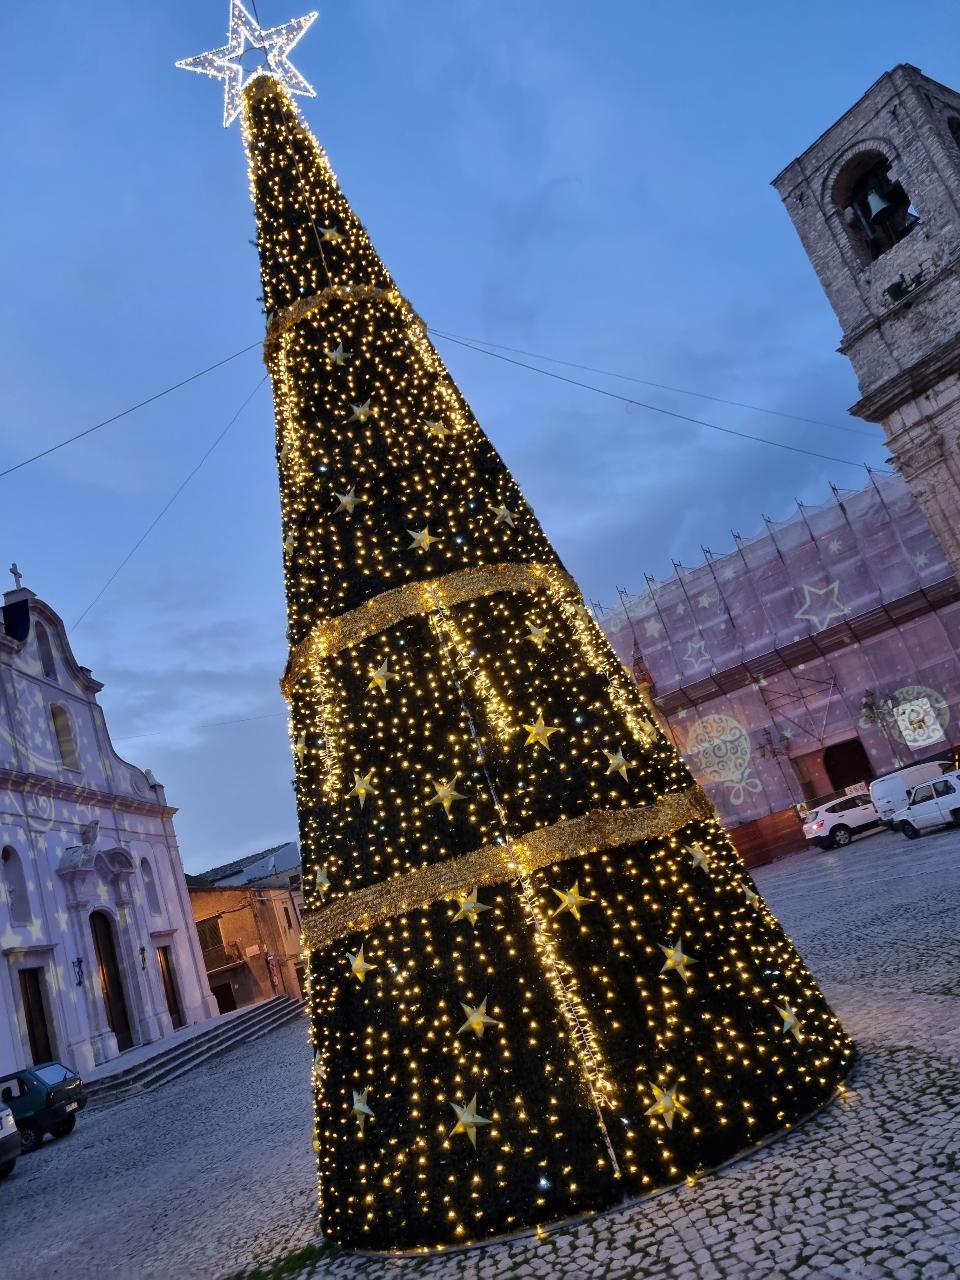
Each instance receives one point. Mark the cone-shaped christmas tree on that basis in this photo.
(541, 979)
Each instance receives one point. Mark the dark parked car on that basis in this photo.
(43, 1099)
(9, 1142)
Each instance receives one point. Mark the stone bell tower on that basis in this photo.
(876, 202)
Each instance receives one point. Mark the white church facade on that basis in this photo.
(98, 949)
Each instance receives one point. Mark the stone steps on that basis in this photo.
(183, 1057)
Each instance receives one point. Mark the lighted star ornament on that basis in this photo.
(468, 1120)
(226, 63)
(667, 1104)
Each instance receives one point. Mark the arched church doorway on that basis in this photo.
(847, 764)
(111, 983)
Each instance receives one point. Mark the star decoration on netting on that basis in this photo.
(536, 633)
(470, 907)
(358, 412)
(477, 1018)
(503, 515)
(360, 1108)
(380, 678)
(468, 1120)
(699, 856)
(348, 501)
(437, 429)
(447, 793)
(791, 1023)
(244, 33)
(617, 763)
(571, 900)
(358, 966)
(362, 787)
(821, 605)
(667, 1104)
(337, 355)
(539, 733)
(676, 960)
(421, 539)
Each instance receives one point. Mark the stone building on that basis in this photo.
(815, 656)
(98, 951)
(876, 203)
(278, 867)
(249, 935)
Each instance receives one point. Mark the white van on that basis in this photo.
(932, 804)
(891, 792)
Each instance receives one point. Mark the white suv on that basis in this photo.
(933, 804)
(834, 824)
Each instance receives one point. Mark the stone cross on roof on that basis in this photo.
(17, 575)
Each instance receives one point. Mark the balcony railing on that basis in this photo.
(222, 955)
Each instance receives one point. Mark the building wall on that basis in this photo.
(838, 626)
(72, 868)
(261, 931)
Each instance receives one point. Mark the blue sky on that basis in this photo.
(589, 181)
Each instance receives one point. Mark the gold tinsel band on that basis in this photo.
(495, 863)
(283, 320)
(418, 597)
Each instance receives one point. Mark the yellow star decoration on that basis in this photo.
(667, 1104)
(617, 762)
(537, 634)
(361, 412)
(750, 896)
(330, 234)
(676, 960)
(347, 501)
(423, 539)
(358, 966)
(322, 879)
(447, 793)
(699, 856)
(300, 747)
(504, 515)
(437, 429)
(477, 1018)
(570, 901)
(791, 1023)
(539, 733)
(467, 1120)
(338, 355)
(362, 787)
(289, 543)
(380, 678)
(360, 1108)
(470, 908)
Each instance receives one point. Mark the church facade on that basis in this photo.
(98, 950)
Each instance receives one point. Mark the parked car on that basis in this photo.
(9, 1142)
(892, 792)
(933, 804)
(834, 824)
(43, 1099)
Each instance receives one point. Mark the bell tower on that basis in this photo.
(876, 203)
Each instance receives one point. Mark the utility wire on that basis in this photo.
(209, 724)
(132, 409)
(166, 507)
(654, 408)
(660, 386)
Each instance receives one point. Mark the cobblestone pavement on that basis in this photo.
(213, 1172)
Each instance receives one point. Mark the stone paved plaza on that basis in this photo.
(213, 1173)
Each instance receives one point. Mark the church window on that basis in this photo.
(15, 884)
(46, 651)
(66, 742)
(876, 209)
(150, 887)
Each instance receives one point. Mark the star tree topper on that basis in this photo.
(245, 33)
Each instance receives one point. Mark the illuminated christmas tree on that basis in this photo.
(541, 979)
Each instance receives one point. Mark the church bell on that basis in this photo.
(877, 204)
